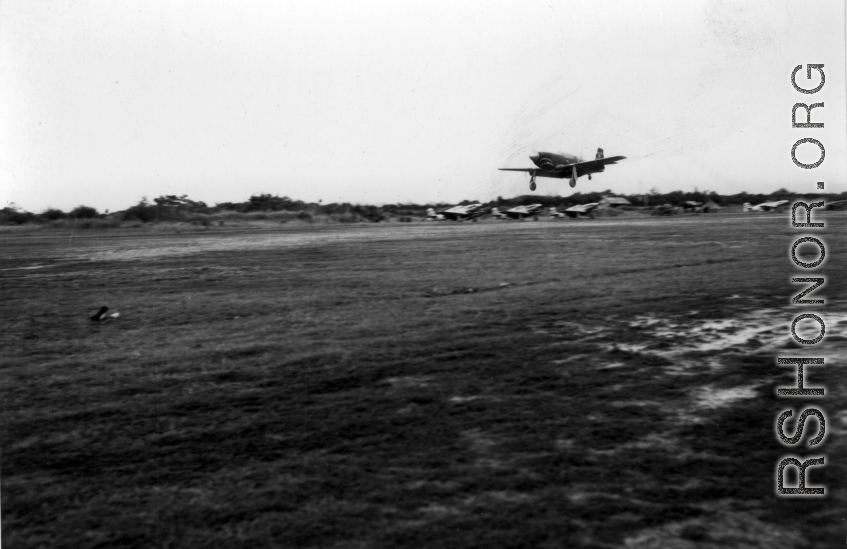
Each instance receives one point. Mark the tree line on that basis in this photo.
(181, 208)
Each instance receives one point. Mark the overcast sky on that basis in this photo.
(374, 102)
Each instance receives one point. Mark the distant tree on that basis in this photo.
(268, 202)
(783, 194)
(15, 215)
(83, 212)
(178, 201)
(52, 214)
(142, 211)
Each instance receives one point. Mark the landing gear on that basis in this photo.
(532, 183)
(573, 177)
(589, 177)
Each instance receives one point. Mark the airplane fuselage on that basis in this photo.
(776, 205)
(558, 165)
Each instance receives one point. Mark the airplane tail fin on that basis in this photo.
(746, 207)
(430, 212)
(599, 154)
(495, 210)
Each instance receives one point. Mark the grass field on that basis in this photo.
(592, 383)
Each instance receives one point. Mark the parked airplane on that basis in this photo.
(765, 206)
(456, 213)
(665, 209)
(518, 212)
(560, 166)
(580, 210)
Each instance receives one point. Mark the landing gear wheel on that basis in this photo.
(532, 186)
(573, 183)
(589, 177)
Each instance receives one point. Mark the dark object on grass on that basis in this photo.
(100, 315)
(665, 209)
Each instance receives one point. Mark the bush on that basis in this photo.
(345, 217)
(373, 214)
(108, 223)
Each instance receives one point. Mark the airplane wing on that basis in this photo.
(773, 204)
(583, 208)
(597, 162)
(519, 169)
(453, 213)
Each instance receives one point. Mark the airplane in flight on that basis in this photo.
(518, 212)
(456, 213)
(579, 210)
(774, 205)
(560, 166)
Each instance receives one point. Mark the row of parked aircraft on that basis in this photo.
(471, 212)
